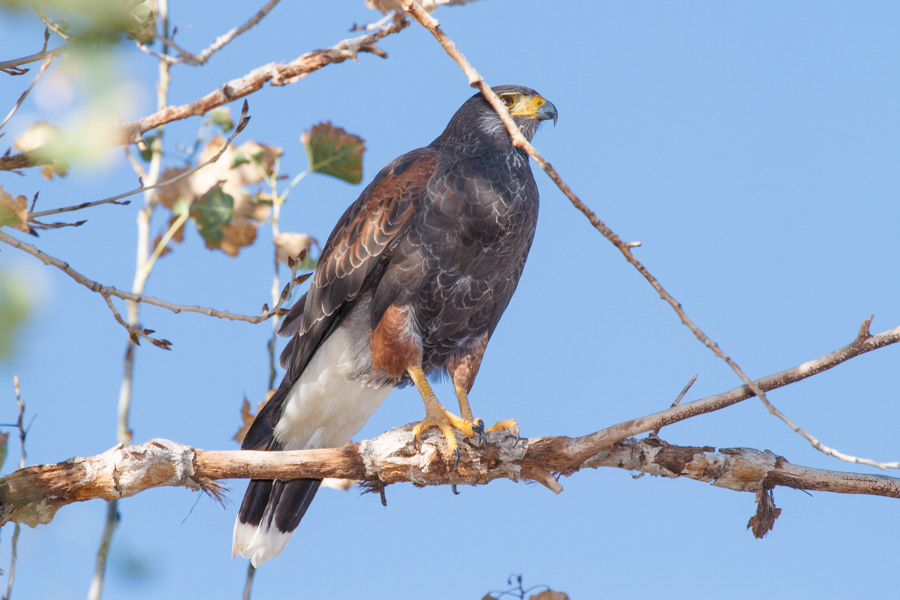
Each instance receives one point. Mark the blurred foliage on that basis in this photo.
(13, 211)
(15, 307)
(87, 19)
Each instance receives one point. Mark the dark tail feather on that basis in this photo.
(269, 514)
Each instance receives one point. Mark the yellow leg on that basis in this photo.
(463, 398)
(438, 416)
(508, 425)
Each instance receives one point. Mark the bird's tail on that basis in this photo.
(269, 514)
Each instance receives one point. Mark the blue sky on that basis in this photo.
(753, 149)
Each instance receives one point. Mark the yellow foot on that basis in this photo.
(448, 423)
(509, 425)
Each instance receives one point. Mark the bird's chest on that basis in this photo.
(480, 218)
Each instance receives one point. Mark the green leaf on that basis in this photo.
(333, 151)
(211, 212)
(4, 444)
(150, 141)
(222, 118)
(308, 263)
(238, 159)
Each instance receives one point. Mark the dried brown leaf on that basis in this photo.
(764, 520)
(241, 233)
(13, 211)
(550, 595)
(233, 176)
(291, 245)
(168, 195)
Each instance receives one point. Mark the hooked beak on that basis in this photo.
(546, 112)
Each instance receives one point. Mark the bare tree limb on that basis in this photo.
(34, 494)
(519, 141)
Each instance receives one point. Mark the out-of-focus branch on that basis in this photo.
(23, 432)
(519, 141)
(33, 495)
(11, 67)
(24, 95)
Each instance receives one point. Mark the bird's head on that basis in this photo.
(527, 108)
(477, 123)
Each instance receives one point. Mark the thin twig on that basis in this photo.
(678, 400)
(135, 333)
(222, 40)
(51, 25)
(24, 95)
(248, 584)
(11, 67)
(519, 141)
(20, 425)
(106, 289)
(863, 343)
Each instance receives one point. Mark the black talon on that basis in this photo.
(415, 444)
(453, 488)
(456, 463)
(478, 427)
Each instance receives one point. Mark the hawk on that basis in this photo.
(412, 282)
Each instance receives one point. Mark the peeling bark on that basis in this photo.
(34, 494)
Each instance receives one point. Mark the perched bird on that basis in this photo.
(412, 282)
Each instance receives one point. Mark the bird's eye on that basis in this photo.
(508, 101)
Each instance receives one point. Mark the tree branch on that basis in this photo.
(34, 494)
(108, 290)
(278, 74)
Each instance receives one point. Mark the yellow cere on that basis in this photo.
(528, 106)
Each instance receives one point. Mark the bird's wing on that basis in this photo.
(351, 264)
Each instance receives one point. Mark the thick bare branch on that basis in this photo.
(33, 495)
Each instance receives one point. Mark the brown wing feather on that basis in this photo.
(351, 263)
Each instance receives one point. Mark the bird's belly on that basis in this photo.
(330, 402)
